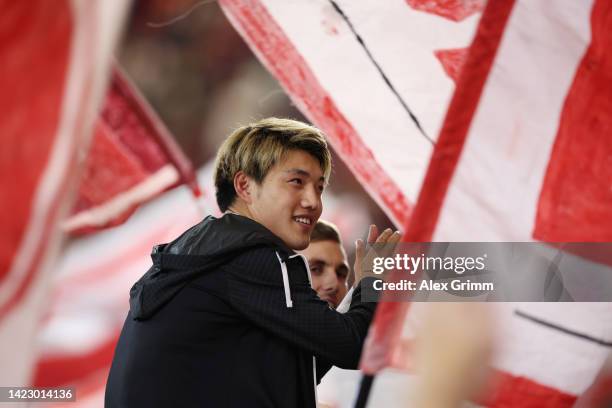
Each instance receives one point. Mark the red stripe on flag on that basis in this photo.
(384, 337)
(510, 391)
(54, 371)
(576, 199)
(110, 267)
(457, 121)
(389, 315)
(292, 71)
(31, 108)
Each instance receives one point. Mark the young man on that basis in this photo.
(226, 316)
(329, 266)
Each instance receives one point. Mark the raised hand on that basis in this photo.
(385, 242)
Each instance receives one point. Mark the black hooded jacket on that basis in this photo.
(226, 317)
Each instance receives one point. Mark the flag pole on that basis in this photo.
(364, 390)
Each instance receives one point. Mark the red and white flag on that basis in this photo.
(55, 63)
(133, 158)
(524, 155)
(375, 76)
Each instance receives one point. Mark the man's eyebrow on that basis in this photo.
(302, 172)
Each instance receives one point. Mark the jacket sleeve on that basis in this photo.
(255, 287)
(323, 366)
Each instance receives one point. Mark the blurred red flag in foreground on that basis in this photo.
(524, 155)
(55, 62)
(133, 158)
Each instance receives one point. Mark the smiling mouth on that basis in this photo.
(303, 220)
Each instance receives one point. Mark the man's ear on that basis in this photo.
(243, 186)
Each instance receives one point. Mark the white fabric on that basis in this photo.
(494, 192)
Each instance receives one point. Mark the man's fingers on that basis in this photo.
(395, 238)
(391, 244)
(359, 250)
(382, 238)
(372, 234)
(382, 244)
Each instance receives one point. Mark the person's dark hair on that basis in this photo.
(256, 148)
(325, 231)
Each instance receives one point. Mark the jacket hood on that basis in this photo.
(200, 249)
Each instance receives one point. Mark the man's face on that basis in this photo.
(288, 201)
(329, 269)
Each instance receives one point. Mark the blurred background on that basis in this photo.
(204, 81)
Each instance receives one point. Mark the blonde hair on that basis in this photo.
(256, 148)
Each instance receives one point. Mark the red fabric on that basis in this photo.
(32, 77)
(452, 61)
(129, 145)
(130, 126)
(458, 119)
(289, 67)
(384, 337)
(510, 391)
(131, 116)
(31, 107)
(455, 10)
(111, 168)
(576, 199)
(64, 370)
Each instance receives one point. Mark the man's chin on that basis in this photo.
(298, 244)
(331, 301)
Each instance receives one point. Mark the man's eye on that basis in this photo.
(315, 270)
(296, 181)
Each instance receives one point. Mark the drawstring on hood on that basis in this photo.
(283, 266)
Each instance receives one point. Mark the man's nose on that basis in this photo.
(311, 198)
(330, 282)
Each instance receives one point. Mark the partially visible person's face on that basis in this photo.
(288, 201)
(329, 269)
